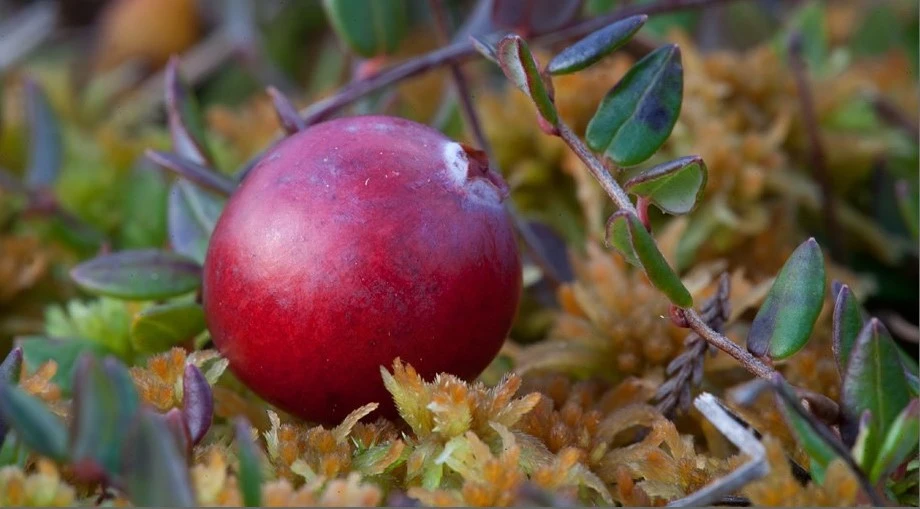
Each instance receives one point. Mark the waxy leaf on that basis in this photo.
(369, 28)
(674, 187)
(45, 146)
(816, 444)
(186, 125)
(38, 350)
(909, 205)
(155, 470)
(596, 46)
(520, 67)
(635, 243)
(785, 320)
(35, 425)
(875, 381)
(847, 323)
(192, 214)
(899, 444)
(637, 115)
(197, 403)
(106, 402)
(144, 222)
(147, 274)
(250, 473)
(159, 328)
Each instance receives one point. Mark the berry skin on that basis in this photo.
(353, 242)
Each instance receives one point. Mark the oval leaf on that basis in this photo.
(45, 144)
(11, 366)
(35, 425)
(805, 426)
(105, 404)
(899, 444)
(618, 237)
(369, 28)
(197, 403)
(519, 66)
(596, 46)
(250, 474)
(144, 221)
(875, 381)
(192, 215)
(155, 470)
(147, 274)
(674, 187)
(656, 267)
(637, 115)
(785, 320)
(846, 325)
(159, 328)
(186, 125)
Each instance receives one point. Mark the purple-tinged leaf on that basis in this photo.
(636, 117)
(848, 321)
(11, 366)
(175, 421)
(534, 17)
(45, 145)
(105, 404)
(159, 328)
(197, 403)
(370, 29)
(146, 274)
(35, 425)
(201, 175)
(520, 67)
(899, 444)
(811, 433)
(595, 46)
(784, 322)
(192, 214)
(627, 234)
(290, 120)
(155, 472)
(674, 187)
(875, 380)
(250, 473)
(909, 205)
(185, 120)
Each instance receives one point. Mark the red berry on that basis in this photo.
(354, 242)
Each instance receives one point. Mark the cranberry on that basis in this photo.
(351, 243)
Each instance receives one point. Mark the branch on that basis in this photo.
(818, 155)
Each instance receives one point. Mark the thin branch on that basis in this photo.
(607, 182)
(818, 155)
(751, 363)
(746, 442)
(471, 119)
(892, 114)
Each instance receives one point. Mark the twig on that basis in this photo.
(746, 442)
(889, 112)
(686, 370)
(471, 119)
(201, 175)
(751, 363)
(818, 155)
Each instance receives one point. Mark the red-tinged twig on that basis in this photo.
(471, 119)
(818, 155)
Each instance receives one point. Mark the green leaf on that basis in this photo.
(909, 205)
(595, 46)
(155, 473)
(38, 350)
(846, 325)
(875, 381)
(106, 402)
(144, 274)
(144, 222)
(899, 444)
(520, 67)
(674, 187)
(820, 451)
(627, 234)
(186, 122)
(45, 145)
(250, 474)
(159, 328)
(637, 115)
(784, 323)
(35, 425)
(369, 28)
(192, 215)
